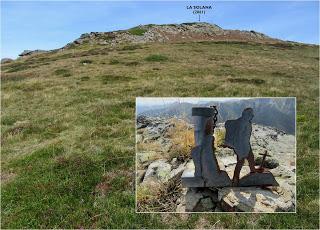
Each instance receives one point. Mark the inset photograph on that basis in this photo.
(215, 155)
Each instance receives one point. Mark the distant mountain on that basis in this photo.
(277, 112)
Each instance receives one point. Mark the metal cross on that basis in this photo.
(264, 155)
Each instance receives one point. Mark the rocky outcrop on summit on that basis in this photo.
(6, 60)
(199, 31)
(30, 52)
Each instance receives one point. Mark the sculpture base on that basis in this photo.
(258, 179)
(253, 179)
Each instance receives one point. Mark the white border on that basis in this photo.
(295, 134)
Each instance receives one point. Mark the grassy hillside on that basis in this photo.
(68, 129)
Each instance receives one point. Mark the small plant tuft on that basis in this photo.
(86, 61)
(156, 58)
(255, 81)
(114, 62)
(137, 31)
(85, 78)
(219, 136)
(182, 139)
(111, 78)
(131, 47)
(133, 63)
(62, 72)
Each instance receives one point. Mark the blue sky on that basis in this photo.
(50, 25)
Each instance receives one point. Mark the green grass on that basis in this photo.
(63, 72)
(255, 81)
(131, 47)
(69, 142)
(137, 31)
(114, 62)
(156, 58)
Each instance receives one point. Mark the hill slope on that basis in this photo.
(68, 130)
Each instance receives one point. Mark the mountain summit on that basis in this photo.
(151, 33)
(196, 31)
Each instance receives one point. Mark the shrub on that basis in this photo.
(137, 31)
(114, 62)
(182, 140)
(131, 47)
(62, 72)
(16, 67)
(86, 61)
(256, 81)
(110, 78)
(85, 78)
(219, 136)
(150, 146)
(157, 197)
(11, 78)
(156, 58)
(281, 74)
(7, 120)
(189, 23)
(133, 63)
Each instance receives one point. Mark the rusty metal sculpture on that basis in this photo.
(238, 133)
(207, 172)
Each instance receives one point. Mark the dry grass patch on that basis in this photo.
(159, 197)
(149, 146)
(182, 137)
(219, 136)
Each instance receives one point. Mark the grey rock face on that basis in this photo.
(229, 160)
(268, 163)
(158, 170)
(192, 199)
(139, 138)
(140, 175)
(206, 204)
(178, 170)
(30, 52)
(146, 156)
(6, 60)
(254, 200)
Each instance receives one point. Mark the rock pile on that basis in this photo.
(154, 130)
(30, 52)
(170, 33)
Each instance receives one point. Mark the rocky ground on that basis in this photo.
(171, 32)
(159, 170)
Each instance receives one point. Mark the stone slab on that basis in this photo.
(258, 179)
(246, 199)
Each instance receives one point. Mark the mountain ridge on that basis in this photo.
(165, 33)
(269, 112)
